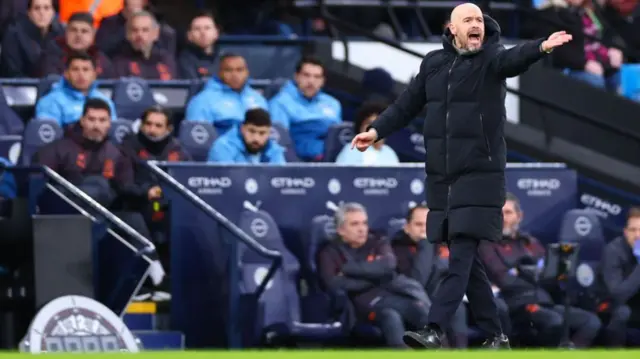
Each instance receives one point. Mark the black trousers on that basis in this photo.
(466, 275)
(393, 311)
(618, 319)
(584, 326)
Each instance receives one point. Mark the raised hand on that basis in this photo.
(556, 39)
(363, 140)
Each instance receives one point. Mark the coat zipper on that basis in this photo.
(484, 135)
(446, 135)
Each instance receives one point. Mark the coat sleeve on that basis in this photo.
(125, 179)
(423, 262)
(332, 277)
(407, 106)
(186, 68)
(382, 266)
(516, 60)
(497, 272)
(619, 288)
(11, 59)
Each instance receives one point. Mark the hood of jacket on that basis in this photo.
(65, 86)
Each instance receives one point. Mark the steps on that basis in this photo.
(147, 321)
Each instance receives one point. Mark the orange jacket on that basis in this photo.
(99, 8)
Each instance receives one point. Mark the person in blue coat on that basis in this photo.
(306, 111)
(248, 143)
(66, 99)
(225, 99)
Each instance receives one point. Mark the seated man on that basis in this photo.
(527, 302)
(248, 144)
(154, 141)
(378, 154)
(224, 99)
(139, 57)
(363, 268)
(419, 259)
(86, 158)
(620, 279)
(79, 36)
(306, 111)
(198, 57)
(66, 99)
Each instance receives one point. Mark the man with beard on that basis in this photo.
(463, 87)
(248, 143)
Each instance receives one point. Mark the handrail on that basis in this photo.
(211, 212)
(602, 124)
(148, 245)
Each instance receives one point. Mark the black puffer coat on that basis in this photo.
(463, 131)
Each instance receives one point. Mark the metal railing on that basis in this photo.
(238, 233)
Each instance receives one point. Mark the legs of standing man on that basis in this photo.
(466, 275)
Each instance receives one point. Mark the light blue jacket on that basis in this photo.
(230, 148)
(308, 120)
(385, 156)
(222, 106)
(64, 103)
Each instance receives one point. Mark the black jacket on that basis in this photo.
(22, 45)
(194, 63)
(620, 272)
(416, 260)
(463, 131)
(138, 148)
(365, 274)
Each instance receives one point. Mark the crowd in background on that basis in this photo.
(128, 39)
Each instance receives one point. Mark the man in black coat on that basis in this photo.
(463, 87)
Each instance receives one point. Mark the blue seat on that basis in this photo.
(132, 96)
(337, 136)
(10, 122)
(120, 129)
(45, 85)
(583, 226)
(10, 148)
(196, 138)
(282, 62)
(282, 137)
(38, 133)
(280, 303)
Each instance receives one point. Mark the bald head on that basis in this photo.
(467, 27)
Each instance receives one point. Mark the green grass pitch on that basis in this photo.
(357, 354)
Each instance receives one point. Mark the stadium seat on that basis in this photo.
(395, 226)
(583, 226)
(45, 85)
(10, 147)
(337, 136)
(131, 97)
(282, 137)
(38, 133)
(282, 58)
(120, 129)
(630, 81)
(197, 137)
(280, 302)
(10, 122)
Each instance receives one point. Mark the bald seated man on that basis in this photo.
(463, 87)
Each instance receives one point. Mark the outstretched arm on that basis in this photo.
(516, 60)
(407, 106)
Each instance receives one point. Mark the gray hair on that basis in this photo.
(516, 201)
(144, 13)
(345, 208)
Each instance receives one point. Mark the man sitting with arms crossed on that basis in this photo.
(250, 143)
(363, 268)
(527, 302)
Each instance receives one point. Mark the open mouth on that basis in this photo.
(474, 36)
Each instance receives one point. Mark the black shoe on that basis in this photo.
(497, 342)
(424, 338)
